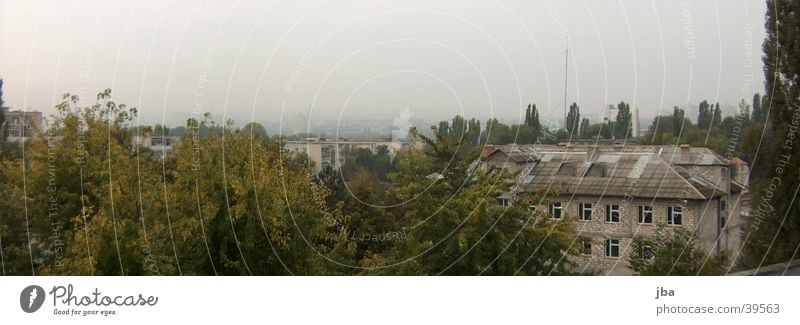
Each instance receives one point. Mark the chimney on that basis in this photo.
(686, 147)
(488, 150)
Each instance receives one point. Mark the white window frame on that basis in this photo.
(672, 213)
(557, 206)
(505, 202)
(610, 210)
(610, 244)
(583, 242)
(645, 209)
(583, 208)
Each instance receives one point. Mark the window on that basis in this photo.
(645, 214)
(567, 169)
(160, 141)
(504, 202)
(647, 252)
(555, 210)
(724, 205)
(612, 213)
(674, 215)
(612, 247)
(586, 246)
(585, 211)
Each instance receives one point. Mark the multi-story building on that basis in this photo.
(331, 153)
(20, 125)
(164, 145)
(617, 192)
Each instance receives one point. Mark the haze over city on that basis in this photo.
(362, 60)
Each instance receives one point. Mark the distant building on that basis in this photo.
(21, 125)
(331, 153)
(610, 115)
(616, 192)
(164, 145)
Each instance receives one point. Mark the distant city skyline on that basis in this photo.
(366, 59)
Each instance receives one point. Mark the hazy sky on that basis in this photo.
(372, 58)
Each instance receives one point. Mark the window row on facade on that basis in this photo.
(613, 213)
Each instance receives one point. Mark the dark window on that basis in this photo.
(555, 210)
(586, 246)
(647, 252)
(612, 247)
(674, 215)
(567, 169)
(645, 214)
(585, 211)
(597, 170)
(612, 213)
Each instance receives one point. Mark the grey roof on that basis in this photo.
(641, 171)
(692, 156)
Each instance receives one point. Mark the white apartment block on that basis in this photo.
(331, 153)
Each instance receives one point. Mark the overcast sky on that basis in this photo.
(372, 58)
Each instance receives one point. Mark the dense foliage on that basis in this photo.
(88, 200)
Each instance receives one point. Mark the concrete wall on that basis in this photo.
(598, 230)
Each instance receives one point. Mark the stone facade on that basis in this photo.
(701, 187)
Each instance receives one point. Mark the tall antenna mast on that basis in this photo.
(566, 66)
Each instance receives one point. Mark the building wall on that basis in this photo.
(324, 153)
(598, 230)
(21, 125)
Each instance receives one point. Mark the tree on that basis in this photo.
(704, 115)
(455, 226)
(673, 251)
(757, 107)
(623, 123)
(775, 234)
(678, 120)
(584, 129)
(532, 118)
(716, 120)
(573, 118)
(497, 133)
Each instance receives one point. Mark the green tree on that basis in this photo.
(717, 118)
(775, 231)
(456, 227)
(673, 251)
(757, 108)
(584, 129)
(679, 120)
(623, 122)
(532, 119)
(573, 120)
(704, 115)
